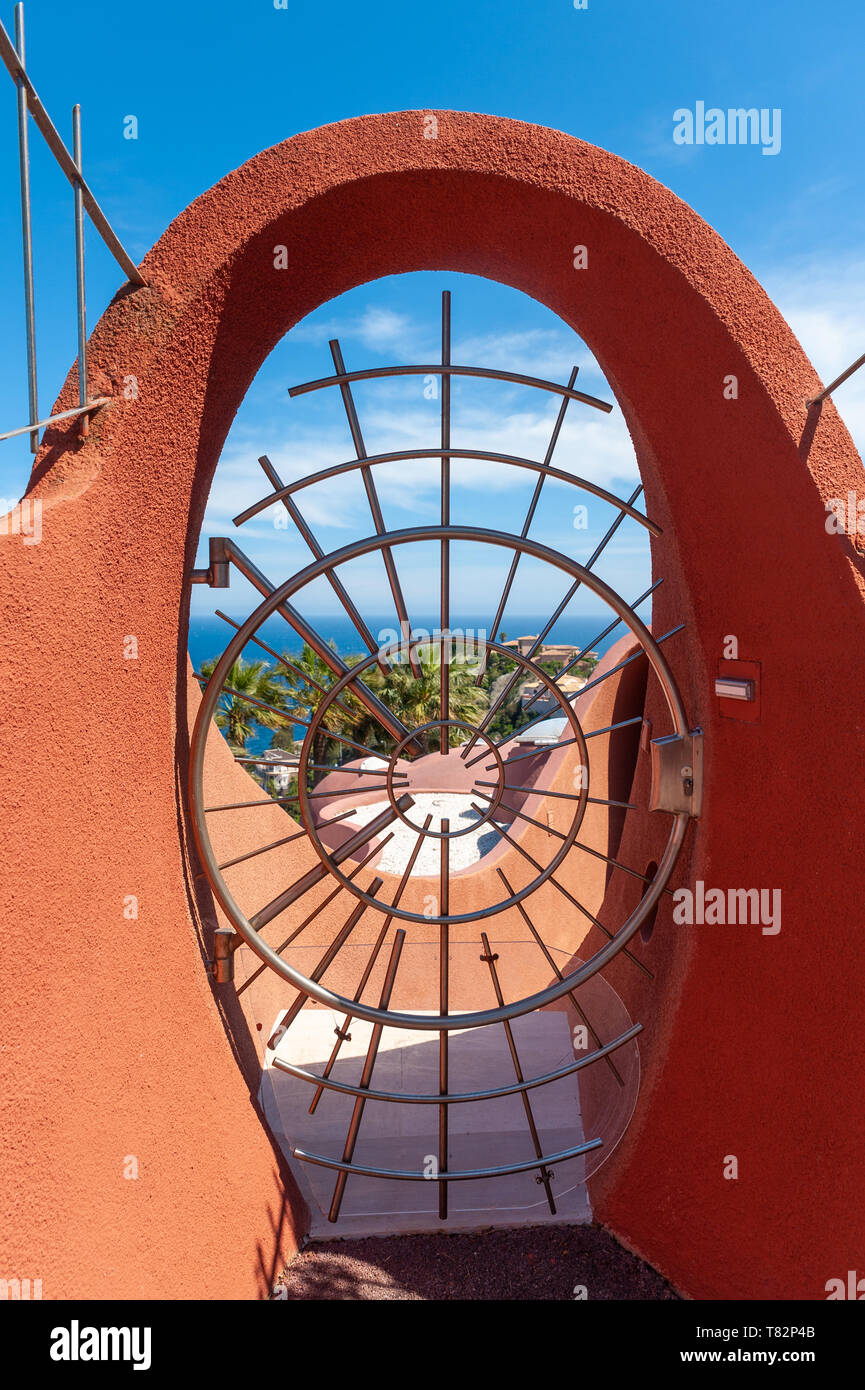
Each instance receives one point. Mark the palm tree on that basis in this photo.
(307, 684)
(236, 716)
(416, 699)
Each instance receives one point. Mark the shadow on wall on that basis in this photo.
(624, 747)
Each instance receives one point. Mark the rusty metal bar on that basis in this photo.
(839, 380)
(545, 1174)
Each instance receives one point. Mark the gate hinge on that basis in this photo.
(221, 967)
(218, 573)
(677, 773)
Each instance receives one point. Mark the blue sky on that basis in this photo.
(211, 84)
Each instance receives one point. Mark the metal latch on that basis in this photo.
(677, 773)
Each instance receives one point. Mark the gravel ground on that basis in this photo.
(464, 849)
(531, 1264)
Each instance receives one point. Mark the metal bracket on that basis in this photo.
(218, 573)
(221, 967)
(677, 773)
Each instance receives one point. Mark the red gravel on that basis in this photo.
(537, 1262)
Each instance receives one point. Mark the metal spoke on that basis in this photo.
(335, 582)
(570, 897)
(565, 742)
(290, 667)
(316, 642)
(319, 970)
(550, 624)
(444, 992)
(445, 577)
(548, 956)
(574, 661)
(536, 497)
(366, 1077)
(298, 835)
(374, 504)
(376, 849)
(539, 719)
(341, 1032)
(317, 873)
(544, 1172)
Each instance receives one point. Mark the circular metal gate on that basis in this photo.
(357, 696)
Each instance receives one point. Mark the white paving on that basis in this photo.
(454, 806)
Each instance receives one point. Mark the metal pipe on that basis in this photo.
(87, 409)
(343, 378)
(460, 1097)
(827, 390)
(79, 267)
(445, 564)
(26, 228)
(444, 1004)
(486, 455)
(15, 66)
(455, 1175)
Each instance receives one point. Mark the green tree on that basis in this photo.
(307, 686)
(415, 700)
(236, 715)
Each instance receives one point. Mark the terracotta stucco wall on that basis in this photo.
(113, 1042)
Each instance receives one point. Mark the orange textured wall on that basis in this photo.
(113, 1042)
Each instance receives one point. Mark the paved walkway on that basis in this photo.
(535, 1263)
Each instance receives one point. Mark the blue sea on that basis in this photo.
(209, 636)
